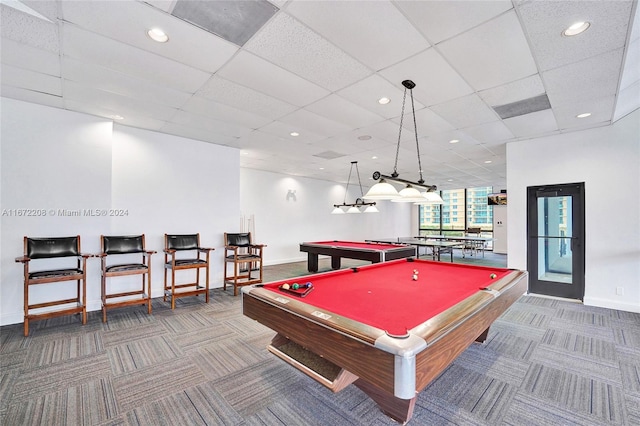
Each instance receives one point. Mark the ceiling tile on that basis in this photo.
(465, 112)
(491, 133)
(536, 123)
(285, 42)
(435, 80)
(30, 58)
(27, 29)
(341, 110)
(31, 96)
(283, 130)
(254, 72)
(377, 49)
(198, 133)
(123, 84)
(244, 98)
(441, 20)
(367, 92)
(544, 22)
(514, 91)
(31, 80)
(631, 73)
(315, 123)
(492, 54)
(627, 101)
(224, 113)
(224, 128)
(92, 48)
(601, 111)
(593, 78)
(129, 21)
(121, 104)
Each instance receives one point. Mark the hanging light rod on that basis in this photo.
(396, 179)
(411, 194)
(354, 207)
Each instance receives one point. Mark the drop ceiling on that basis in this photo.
(249, 74)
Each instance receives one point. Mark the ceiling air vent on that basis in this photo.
(525, 106)
(234, 21)
(329, 155)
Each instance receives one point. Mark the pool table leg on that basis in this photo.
(398, 409)
(312, 262)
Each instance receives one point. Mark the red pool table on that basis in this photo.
(372, 251)
(378, 328)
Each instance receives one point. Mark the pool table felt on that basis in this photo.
(386, 297)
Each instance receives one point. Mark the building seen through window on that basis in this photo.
(462, 209)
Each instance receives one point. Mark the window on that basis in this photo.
(445, 219)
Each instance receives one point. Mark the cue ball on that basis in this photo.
(415, 277)
(285, 286)
(493, 276)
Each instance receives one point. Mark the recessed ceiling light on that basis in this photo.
(449, 180)
(384, 101)
(321, 168)
(374, 158)
(576, 28)
(294, 134)
(364, 137)
(583, 115)
(156, 34)
(454, 141)
(487, 162)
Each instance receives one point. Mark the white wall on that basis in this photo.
(607, 159)
(54, 160)
(291, 210)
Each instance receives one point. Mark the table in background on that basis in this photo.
(371, 251)
(478, 243)
(376, 327)
(437, 247)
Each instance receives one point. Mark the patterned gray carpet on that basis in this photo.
(546, 362)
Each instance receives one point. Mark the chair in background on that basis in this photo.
(245, 257)
(183, 252)
(471, 245)
(125, 247)
(47, 251)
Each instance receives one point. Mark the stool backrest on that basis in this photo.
(182, 242)
(42, 248)
(122, 244)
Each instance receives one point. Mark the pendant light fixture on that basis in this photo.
(411, 193)
(357, 206)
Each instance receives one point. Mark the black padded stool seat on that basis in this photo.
(55, 273)
(184, 262)
(126, 267)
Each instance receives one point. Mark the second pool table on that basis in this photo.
(379, 328)
(371, 251)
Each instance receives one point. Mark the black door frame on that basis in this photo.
(576, 289)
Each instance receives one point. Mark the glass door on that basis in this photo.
(556, 240)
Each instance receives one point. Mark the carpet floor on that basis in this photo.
(545, 362)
